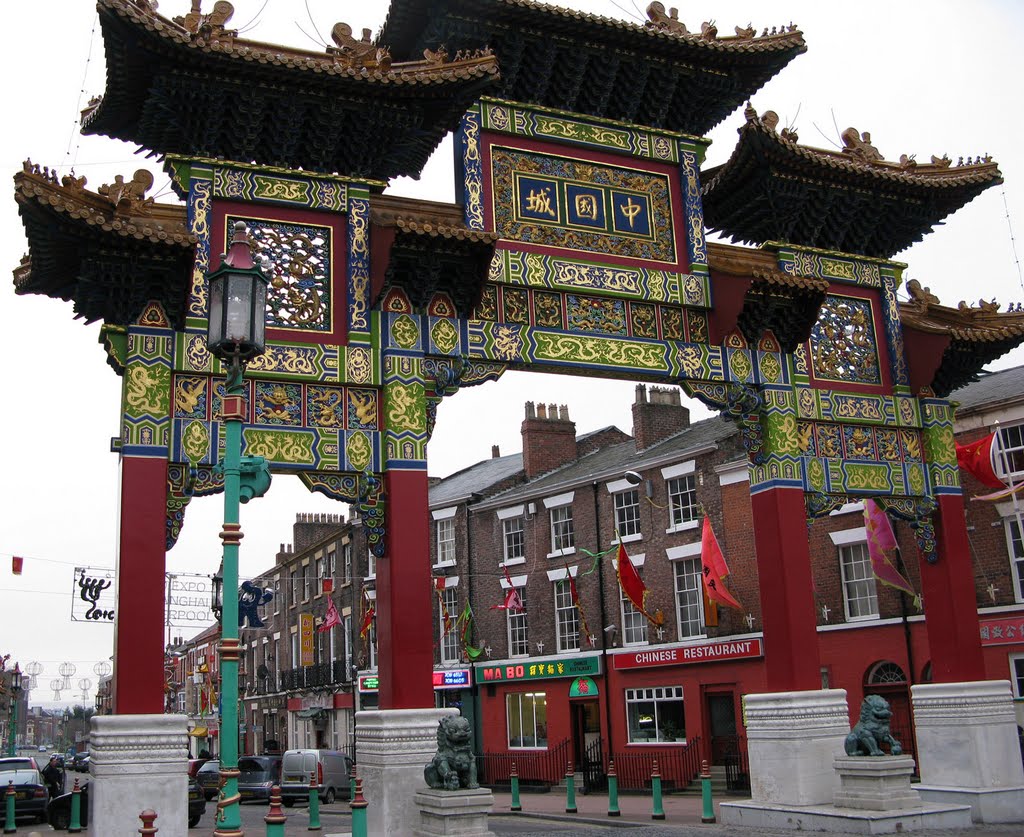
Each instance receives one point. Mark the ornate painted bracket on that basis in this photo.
(917, 511)
(448, 375)
(740, 403)
(185, 481)
(371, 509)
(819, 504)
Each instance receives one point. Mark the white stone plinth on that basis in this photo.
(393, 746)
(875, 783)
(967, 748)
(461, 813)
(138, 762)
(792, 740)
(845, 820)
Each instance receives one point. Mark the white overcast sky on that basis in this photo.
(923, 77)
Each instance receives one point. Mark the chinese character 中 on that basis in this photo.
(630, 210)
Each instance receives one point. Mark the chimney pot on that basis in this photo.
(495, 452)
(542, 411)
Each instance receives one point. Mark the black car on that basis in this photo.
(257, 775)
(208, 777)
(60, 808)
(80, 762)
(30, 796)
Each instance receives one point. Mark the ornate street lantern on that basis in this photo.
(238, 304)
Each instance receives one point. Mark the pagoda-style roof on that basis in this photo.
(852, 201)
(111, 251)
(191, 86)
(949, 347)
(430, 249)
(657, 73)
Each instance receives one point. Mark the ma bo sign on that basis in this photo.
(707, 653)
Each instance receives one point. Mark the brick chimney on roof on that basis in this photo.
(549, 438)
(657, 415)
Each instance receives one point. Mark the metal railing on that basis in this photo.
(737, 768)
(677, 766)
(540, 767)
(311, 677)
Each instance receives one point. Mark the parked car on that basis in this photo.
(258, 774)
(194, 765)
(80, 762)
(30, 796)
(333, 771)
(41, 748)
(208, 777)
(60, 808)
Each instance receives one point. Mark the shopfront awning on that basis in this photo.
(199, 732)
(315, 714)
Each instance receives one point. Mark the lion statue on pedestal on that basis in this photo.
(453, 765)
(872, 730)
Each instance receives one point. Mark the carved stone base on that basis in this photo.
(450, 813)
(875, 783)
(392, 748)
(968, 749)
(845, 820)
(792, 740)
(138, 762)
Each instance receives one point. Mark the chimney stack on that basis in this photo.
(661, 416)
(549, 438)
(495, 452)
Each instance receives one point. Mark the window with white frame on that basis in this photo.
(627, 513)
(563, 537)
(527, 714)
(1017, 675)
(346, 562)
(346, 633)
(567, 618)
(1009, 455)
(332, 562)
(634, 623)
(445, 540)
(518, 638)
(514, 540)
(320, 574)
(181, 702)
(450, 640)
(1014, 546)
(860, 597)
(689, 597)
(371, 564)
(295, 650)
(305, 582)
(655, 715)
(277, 594)
(682, 501)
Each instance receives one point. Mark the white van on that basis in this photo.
(333, 775)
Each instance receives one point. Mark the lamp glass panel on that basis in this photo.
(238, 304)
(215, 329)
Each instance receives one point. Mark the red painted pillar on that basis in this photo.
(784, 575)
(951, 610)
(405, 630)
(139, 626)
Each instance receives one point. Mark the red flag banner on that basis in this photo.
(16, 564)
(632, 585)
(331, 618)
(714, 569)
(369, 612)
(513, 601)
(579, 608)
(446, 617)
(976, 459)
(882, 548)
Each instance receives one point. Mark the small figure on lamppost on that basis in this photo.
(235, 335)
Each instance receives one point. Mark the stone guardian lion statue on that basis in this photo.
(453, 765)
(872, 730)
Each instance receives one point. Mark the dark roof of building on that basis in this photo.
(851, 201)
(657, 73)
(476, 479)
(191, 86)
(614, 460)
(992, 389)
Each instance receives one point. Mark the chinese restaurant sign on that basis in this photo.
(711, 652)
(305, 639)
(455, 678)
(538, 671)
(1002, 631)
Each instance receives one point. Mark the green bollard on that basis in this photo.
(75, 826)
(613, 790)
(358, 806)
(708, 814)
(658, 813)
(275, 818)
(570, 790)
(515, 789)
(314, 804)
(9, 826)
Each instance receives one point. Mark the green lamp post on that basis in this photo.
(235, 335)
(12, 735)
